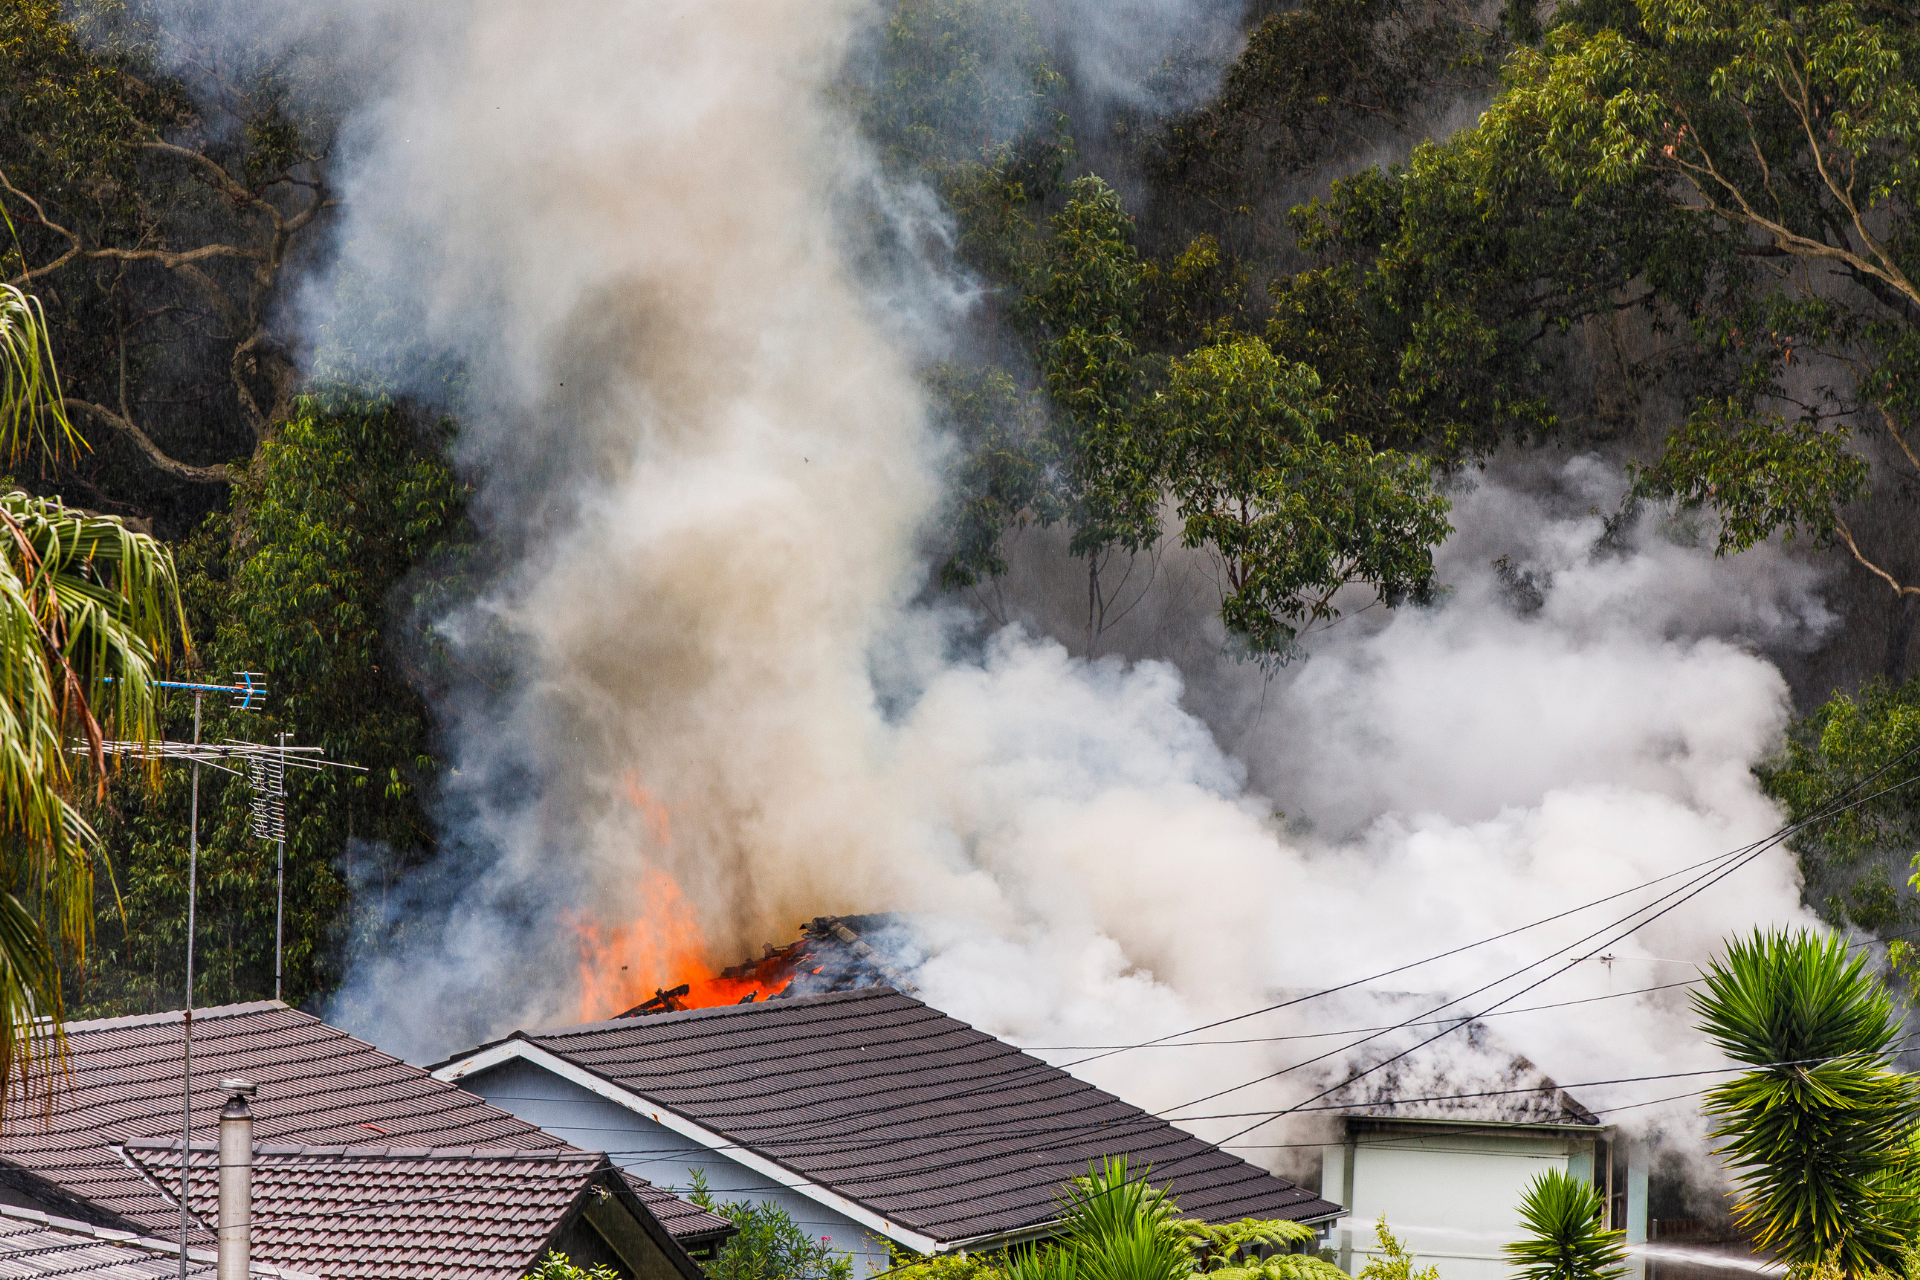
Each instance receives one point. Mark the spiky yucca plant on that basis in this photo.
(1818, 1133)
(1567, 1237)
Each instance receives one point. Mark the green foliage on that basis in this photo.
(769, 1245)
(1000, 473)
(1761, 472)
(556, 1266)
(1293, 517)
(1817, 1134)
(1234, 436)
(1315, 80)
(1114, 1226)
(116, 165)
(29, 380)
(1391, 1261)
(959, 82)
(89, 611)
(1085, 308)
(1733, 173)
(315, 577)
(946, 1266)
(1851, 749)
(1233, 1250)
(1567, 1238)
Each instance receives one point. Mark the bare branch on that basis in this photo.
(1784, 236)
(1846, 535)
(174, 261)
(1899, 439)
(40, 219)
(221, 178)
(144, 443)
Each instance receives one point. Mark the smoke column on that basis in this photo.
(710, 468)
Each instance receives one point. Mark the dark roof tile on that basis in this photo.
(369, 1213)
(34, 1245)
(917, 1116)
(320, 1090)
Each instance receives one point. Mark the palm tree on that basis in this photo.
(87, 612)
(1566, 1237)
(1818, 1133)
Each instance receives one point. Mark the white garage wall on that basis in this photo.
(1452, 1199)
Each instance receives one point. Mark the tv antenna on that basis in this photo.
(265, 768)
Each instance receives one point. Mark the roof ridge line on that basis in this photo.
(569, 1155)
(132, 1240)
(179, 1015)
(721, 1010)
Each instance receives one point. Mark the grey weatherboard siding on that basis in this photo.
(941, 1132)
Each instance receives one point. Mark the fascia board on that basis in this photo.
(667, 1118)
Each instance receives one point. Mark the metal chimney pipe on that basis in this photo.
(236, 1181)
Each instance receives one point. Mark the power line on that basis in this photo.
(1730, 864)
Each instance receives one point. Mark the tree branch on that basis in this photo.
(1846, 536)
(141, 441)
(40, 219)
(1898, 439)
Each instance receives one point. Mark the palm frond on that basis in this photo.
(88, 612)
(29, 383)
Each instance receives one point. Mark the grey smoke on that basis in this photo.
(692, 393)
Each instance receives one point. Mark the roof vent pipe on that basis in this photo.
(236, 1181)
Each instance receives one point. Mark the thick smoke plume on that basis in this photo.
(710, 466)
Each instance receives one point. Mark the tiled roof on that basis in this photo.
(914, 1115)
(1477, 1080)
(686, 1222)
(33, 1246)
(394, 1213)
(318, 1085)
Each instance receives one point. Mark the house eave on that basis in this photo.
(516, 1048)
(1505, 1126)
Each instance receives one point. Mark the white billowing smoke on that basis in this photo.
(708, 457)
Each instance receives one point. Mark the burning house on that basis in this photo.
(870, 1117)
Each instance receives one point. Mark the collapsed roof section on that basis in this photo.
(832, 953)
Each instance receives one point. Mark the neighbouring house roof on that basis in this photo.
(1469, 1078)
(34, 1246)
(413, 1213)
(935, 1131)
(318, 1086)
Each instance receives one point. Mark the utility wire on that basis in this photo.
(1731, 864)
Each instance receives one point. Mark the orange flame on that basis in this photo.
(624, 965)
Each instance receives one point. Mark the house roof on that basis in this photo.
(34, 1246)
(912, 1115)
(1472, 1078)
(318, 1086)
(398, 1213)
